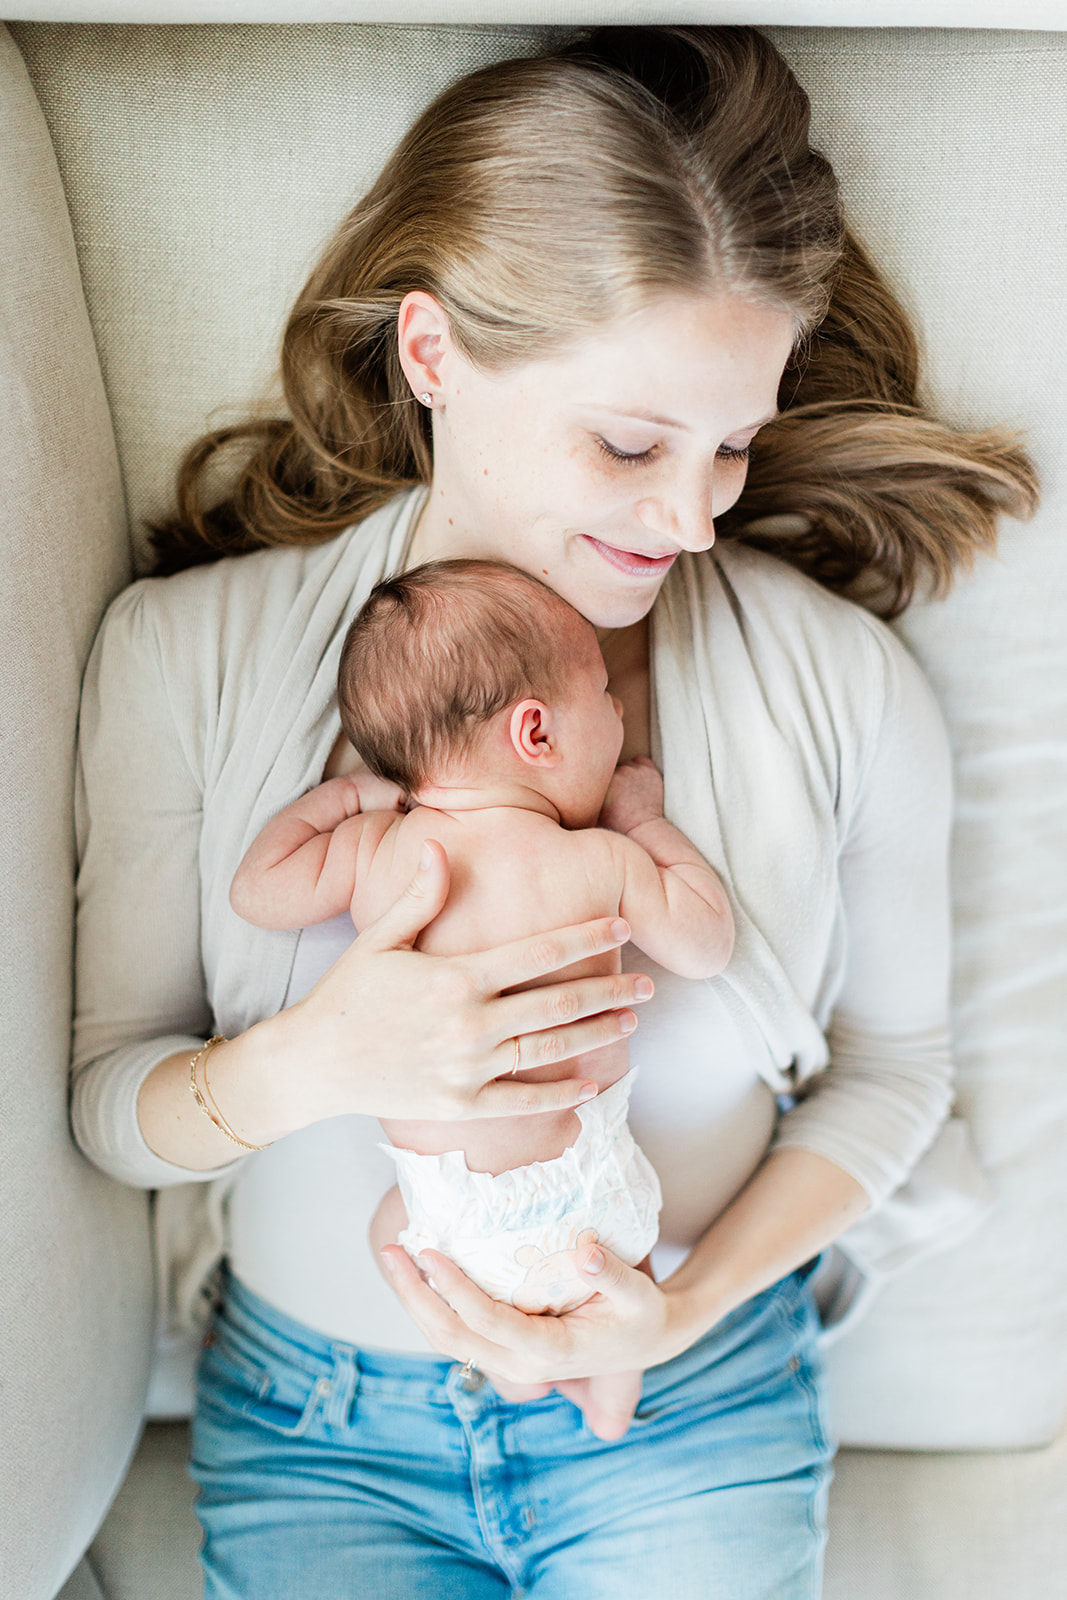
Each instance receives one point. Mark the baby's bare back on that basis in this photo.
(513, 873)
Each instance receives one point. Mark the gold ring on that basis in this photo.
(515, 1063)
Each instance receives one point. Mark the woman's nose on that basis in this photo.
(683, 516)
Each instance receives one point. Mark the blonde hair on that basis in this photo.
(540, 199)
(435, 653)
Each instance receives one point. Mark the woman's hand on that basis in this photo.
(392, 1032)
(630, 1322)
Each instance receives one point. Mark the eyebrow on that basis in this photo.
(672, 422)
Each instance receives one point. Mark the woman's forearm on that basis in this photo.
(176, 1128)
(794, 1205)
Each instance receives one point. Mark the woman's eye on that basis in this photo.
(629, 458)
(727, 452)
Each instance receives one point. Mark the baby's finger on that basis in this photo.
(525, 959)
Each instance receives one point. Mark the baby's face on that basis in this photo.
(590, 734)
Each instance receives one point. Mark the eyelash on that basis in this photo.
(637, 458)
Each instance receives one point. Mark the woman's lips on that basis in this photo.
(633, 562)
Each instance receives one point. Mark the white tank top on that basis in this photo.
(299, 1211)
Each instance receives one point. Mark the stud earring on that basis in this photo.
(426, 397)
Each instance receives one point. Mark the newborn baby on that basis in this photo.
(483, 697)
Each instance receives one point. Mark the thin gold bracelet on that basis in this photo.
(212, 1112)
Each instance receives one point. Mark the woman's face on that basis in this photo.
(593, 468)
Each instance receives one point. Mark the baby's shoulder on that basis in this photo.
(600, 852)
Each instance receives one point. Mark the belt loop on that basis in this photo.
(343, 1388)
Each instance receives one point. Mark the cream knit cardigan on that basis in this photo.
(209, 704)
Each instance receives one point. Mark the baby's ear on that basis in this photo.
(532, 733)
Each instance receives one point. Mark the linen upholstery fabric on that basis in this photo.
(951, 148)
(75, 1292)
(810, 13)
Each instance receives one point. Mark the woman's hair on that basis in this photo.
(437, 652)
(540, 199)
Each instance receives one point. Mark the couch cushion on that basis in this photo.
(811, 13)
(203, 167)
(75, 1292)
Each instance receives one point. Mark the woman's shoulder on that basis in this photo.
(239, 604)
(778, 650)
(221, 595)
(807, 630)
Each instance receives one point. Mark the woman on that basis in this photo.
(581, 288)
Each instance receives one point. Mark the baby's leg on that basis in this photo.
(607, 1403)
(387, 1222)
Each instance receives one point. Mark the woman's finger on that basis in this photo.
(545, 953)
(540, 1017)
(620, 1284)
(421, 901)
(511, 1097)
(435, 1318)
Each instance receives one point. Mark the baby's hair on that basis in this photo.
(437, 652)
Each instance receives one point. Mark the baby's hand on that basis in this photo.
(635, 795)
(376, 794)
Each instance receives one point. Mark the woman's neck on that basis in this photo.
(626, 656)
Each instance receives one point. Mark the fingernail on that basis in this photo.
(425, 859)
(387, 1262)
(620, 930)
(643, 988)
(588, 1091)
(594, 1261)
(627, 1022)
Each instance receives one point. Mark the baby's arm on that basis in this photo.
(674, 902)
(301, 869)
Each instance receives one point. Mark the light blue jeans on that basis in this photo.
(331, 1473)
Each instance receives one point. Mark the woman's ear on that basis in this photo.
(423, 337)
(532, 731)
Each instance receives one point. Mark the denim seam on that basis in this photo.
(793, 1318)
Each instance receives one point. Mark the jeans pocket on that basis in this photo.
(236, 1377)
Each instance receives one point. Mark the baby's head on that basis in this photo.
(463, 672)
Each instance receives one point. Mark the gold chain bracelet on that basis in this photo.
(212, 1112)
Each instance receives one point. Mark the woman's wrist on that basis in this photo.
(794, 1206)
(240, 1093)
(246, 1085)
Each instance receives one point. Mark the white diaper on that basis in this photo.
(517, 1234)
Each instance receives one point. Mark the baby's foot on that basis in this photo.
(607, 1403)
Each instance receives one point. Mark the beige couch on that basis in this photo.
(200, 166)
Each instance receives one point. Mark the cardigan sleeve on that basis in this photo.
(139, 984)
(888, 1088)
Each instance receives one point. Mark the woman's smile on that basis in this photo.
(635, 563)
